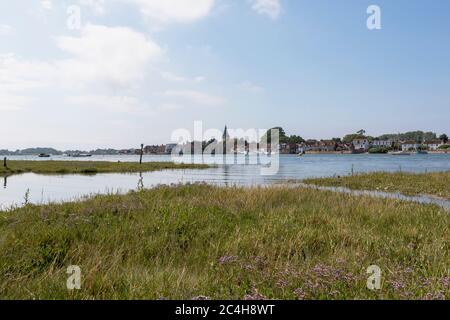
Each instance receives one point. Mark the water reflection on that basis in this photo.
(245, 172)
(381, 194)
(140, 185)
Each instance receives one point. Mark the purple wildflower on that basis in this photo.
(227, 259)
(301, 295)
(254, 296)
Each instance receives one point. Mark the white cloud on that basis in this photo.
(12, 102)
(270, 8)
(97, 6)
(46, 4)
(124, 104)
(113, 57)
(161, 12)
(5, 30)
(169, 76)
(17, 78)
(196, 97)
(17, 74)
(251, 87)
(199, 79)
(116, 55)
(170, 107)
(178, 11)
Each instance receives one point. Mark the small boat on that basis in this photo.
(44, 155)
(422, 152)
(81, 155)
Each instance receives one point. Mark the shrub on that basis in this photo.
(378, 150)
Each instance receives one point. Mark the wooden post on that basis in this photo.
(142, 153)
(4, 162)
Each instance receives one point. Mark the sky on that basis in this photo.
(116, 73)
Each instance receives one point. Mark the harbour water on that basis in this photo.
(234, 170)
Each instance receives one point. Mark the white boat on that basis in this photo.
(401, 153)
(44, 155)
(80, 155)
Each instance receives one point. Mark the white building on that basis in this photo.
(382, 143)
(170, 147)
(361, 144)
(433, 145)
(410, 145)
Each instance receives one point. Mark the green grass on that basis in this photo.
(435, 184)
(225, 243)
(89, 167)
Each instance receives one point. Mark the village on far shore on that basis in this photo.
(359, 142)
(415, 141)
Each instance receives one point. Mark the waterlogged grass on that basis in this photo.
(89, 167)
(436, 184)
(226, 243)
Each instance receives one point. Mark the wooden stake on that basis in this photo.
(142, 153)
(4, 162)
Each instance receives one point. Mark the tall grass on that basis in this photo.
(227, 243)
(436, 184)
(90, 167)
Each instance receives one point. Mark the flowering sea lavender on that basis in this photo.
(254, 296)
(301, 295)
(227, 259)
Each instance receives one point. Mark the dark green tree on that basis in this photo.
(296, 139)
(350, 137)
(361, 132)
(281, 134)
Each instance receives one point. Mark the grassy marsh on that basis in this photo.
(89, 167)
(225, 243)
(435, 184)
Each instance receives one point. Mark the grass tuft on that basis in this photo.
(435, 184)
(90, 167)
(225, 243)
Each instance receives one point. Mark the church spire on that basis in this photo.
(225, 135)
(225, 139)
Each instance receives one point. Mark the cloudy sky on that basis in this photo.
(132, 71)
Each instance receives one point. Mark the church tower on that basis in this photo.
(225, 139)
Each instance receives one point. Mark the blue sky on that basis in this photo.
(136, 70)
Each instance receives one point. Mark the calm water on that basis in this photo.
(246, 171)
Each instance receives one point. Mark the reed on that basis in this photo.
(90, 167)
(225, 243)
(435, 184)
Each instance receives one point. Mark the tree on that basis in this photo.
(337, 140)
(418, 136)
(361, 132)
(350, 137)
(378, 150)
(267, 137)
(443, 137)
(296, 139)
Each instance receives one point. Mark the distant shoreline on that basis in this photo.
(229, 154)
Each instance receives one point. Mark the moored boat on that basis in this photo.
(44, 155)
(80, 155)
(401, 153)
